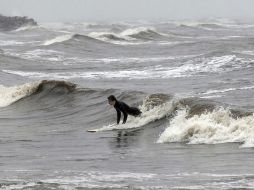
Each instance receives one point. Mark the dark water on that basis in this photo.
(193, 82)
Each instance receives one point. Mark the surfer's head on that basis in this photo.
(112, 100)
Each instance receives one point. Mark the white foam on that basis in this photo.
(19, 185)
(58, 39)
(39, 54)
(210, 128)
(10, 42)
(107, 180)
(9, 95)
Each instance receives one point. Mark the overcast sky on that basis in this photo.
(115, 10)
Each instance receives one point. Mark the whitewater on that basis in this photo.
(192, 80)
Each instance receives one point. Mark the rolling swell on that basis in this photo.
(51, 88)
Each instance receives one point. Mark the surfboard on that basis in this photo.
(114, 127)
(92, 130)
(104, 128)
(108, 130)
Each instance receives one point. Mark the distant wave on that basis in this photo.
(129, 35)
(209, 25)
(214, 93)
(108, 36)
(38, 54)
(75, 39)
(144, 33)
(197, 66)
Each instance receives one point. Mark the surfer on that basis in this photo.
(124, 108)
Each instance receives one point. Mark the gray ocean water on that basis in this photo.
(193, 82)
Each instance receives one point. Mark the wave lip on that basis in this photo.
(9, 95)
(218, 126)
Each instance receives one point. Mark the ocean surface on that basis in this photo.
(193, 81)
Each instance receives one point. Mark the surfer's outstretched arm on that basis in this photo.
(118, 116)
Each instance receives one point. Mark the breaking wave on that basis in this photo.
(9, 95)
(221, 125)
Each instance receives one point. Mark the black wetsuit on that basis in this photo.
(125, 109)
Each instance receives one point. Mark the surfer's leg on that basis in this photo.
(134, 111)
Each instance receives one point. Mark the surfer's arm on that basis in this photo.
(118, 116)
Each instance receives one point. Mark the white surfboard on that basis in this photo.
(104, 128)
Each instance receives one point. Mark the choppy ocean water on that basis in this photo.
(193, 82)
